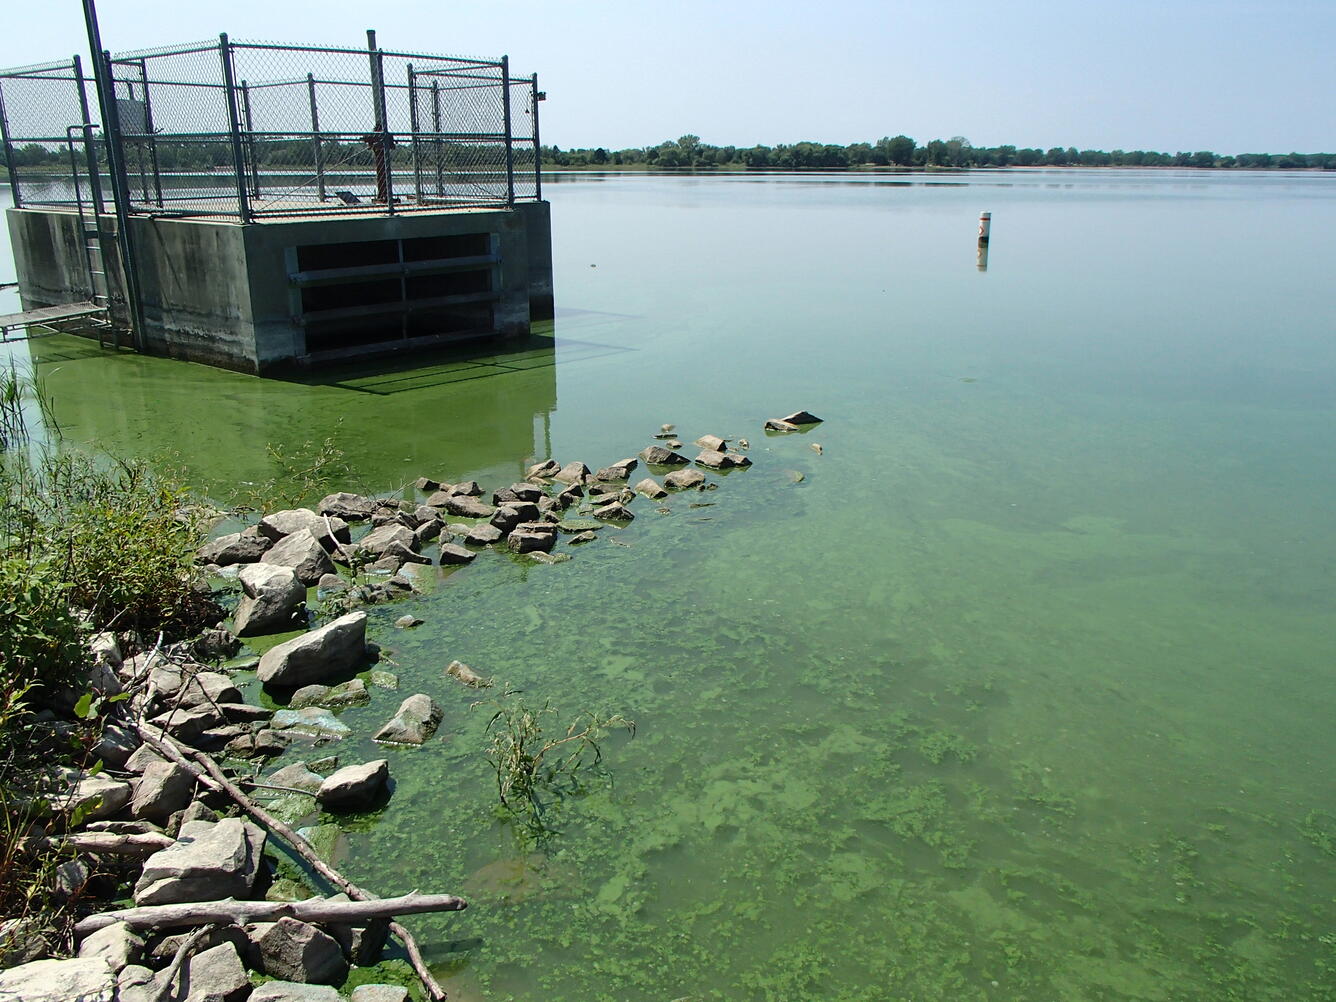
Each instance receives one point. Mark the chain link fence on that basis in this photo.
(253, 130)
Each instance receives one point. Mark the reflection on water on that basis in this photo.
(1020, 689)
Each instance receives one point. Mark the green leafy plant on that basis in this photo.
(304, 472)
(535, 770)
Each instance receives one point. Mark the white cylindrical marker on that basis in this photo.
(985, 224)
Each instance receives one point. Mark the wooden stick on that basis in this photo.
(207, 771)
(174, 968)
(230, 911)
(143, 844)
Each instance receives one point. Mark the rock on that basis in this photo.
(583, 537)
(188, 724)
(657, 455)
(572, 473)
(614, 513)
(650, 488)
(303, 553)
(197, 811)
(333, 649)
(775, 424)
(464, 506)
(207, 862)
(214, 644)
(331, 582)
(452, 554)
(426, 484)
(117, 944)
(465, 674)
(105, 649)
(72, 877)
(579, 525)
(97, 677)
(116, 745)
(525, 491)
(315, 721)
(298, 951)
(243, 712)
(234, 548)
(135, 984)
(506, 518)
(348, 693)
(349, 507)
(403, 553)
(161, 791)
(737, 459)
(272, 598)
(712, 443)
(298, 776)
(714, 460)
(674, 443)
(268, 742)
(98, 796)
(214, 975)
(25, 939)
(388, 564)
(285, 523)
(377, 542)
(383, 679)
(801, 417)
(548, 468)
(429, 529)
(414, 723)
(528, 541)
(621, 469)
(379, 993)
(208, 689)
(469, 488)
(355, 787)
(87, 979)
(140, 760)
(408, 622)
(482, 535)
(570, 495)
(292, 991)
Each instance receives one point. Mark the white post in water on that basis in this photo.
(985, 224)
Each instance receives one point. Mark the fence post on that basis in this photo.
(9, 153)
(250, 139)
(234, 127)
(537, 146)
(120, 186)
(381, 144)
(148, 128)
(510, 149)
(436, 128)
(90, 149)
(413, 126)
(315, 138)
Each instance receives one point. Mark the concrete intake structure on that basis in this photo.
(266, 297)
(262, 207)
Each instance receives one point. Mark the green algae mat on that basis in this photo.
(1021, 687)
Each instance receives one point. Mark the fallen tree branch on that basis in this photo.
(165, 989)
(207, 771)
(141, 845)
(230, 911)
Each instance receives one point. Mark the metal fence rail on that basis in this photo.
(255, 130)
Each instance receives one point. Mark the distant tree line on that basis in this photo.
(901, 151)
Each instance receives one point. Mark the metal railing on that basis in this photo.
(253, 130)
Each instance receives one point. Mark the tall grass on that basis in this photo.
(21, 390)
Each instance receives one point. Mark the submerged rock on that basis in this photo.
(465, 674)
(775, 424)
(712, 442)
(349, 507)
(614, 513)
(354, 787)
(313, 721)
(452, 554)
(801, 417)
(650, 488)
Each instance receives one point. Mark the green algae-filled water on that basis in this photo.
(1025, 691)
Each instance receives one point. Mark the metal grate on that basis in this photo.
(255, 129)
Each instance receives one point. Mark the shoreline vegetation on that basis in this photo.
(689, 154)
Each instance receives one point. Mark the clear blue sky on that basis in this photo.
(1228, 75)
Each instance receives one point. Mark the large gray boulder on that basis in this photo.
(161, 791)
(414, 724)
(215, 975)
(349, 507)
(87, 979)
(285, 523)
(313, 721)
(354, 787)
(116, 944)
(303, 553)
(271, 596)
(464, 506)
(234, 548)
(650, 488)
(296, 776)
(207, 862)
(657, 455)
(333, 649)
(379, 540)
(298, 951)
(99, 796)
(452, 554)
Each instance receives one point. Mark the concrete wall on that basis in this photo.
(220, 293)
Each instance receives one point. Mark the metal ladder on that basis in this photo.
(94, 241)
